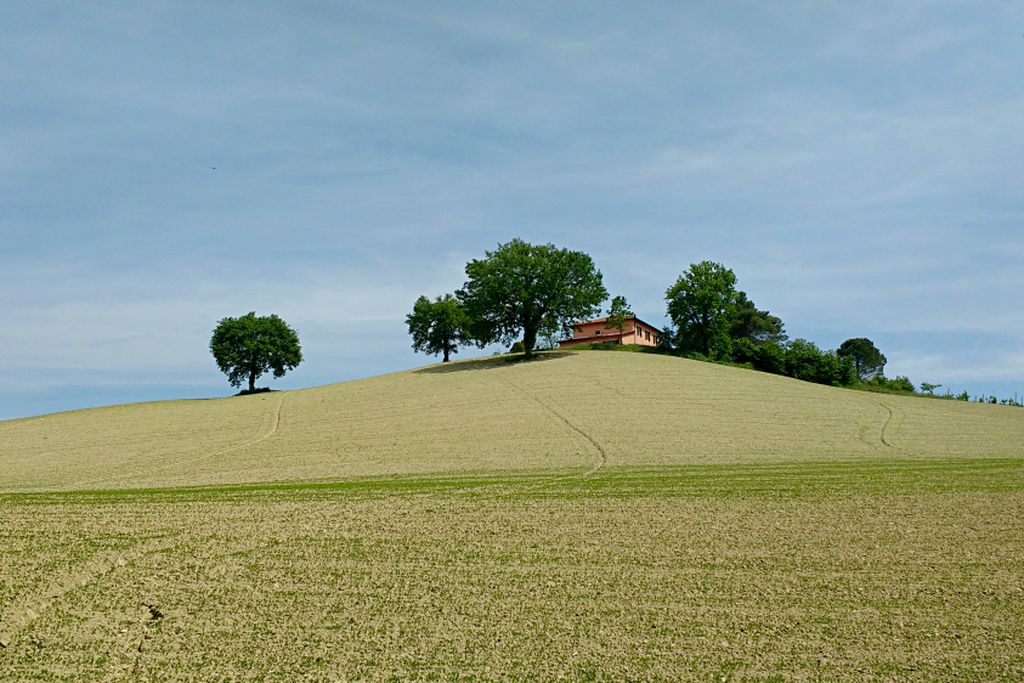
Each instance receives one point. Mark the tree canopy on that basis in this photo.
(529, 289)
(617, 314)
(249, 346)
(701, 305)
(438, 326)
(749, 322)
(803, 359)
(867, 360)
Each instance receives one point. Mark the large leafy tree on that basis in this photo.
(617, 314)
(868, 361)
(700, 305)
(749, 322)
(438, 326)
(529, 289)
(249, 346)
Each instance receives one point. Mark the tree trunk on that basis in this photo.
(529, 340)
(252, 380)
(447, 350)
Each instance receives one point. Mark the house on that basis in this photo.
(636, 331)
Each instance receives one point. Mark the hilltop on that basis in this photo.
(569, 412)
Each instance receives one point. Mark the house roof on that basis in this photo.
(605, 318)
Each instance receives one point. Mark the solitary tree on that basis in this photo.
(438, 326)
(868, 361)
(617, 314)
(701, 304)
(249, 346)
(527, 288)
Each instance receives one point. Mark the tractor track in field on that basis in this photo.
(151, 613)
(23, 613)
(199, 458)
(602, 454)
(886, 424)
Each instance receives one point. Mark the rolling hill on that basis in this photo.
(588, 516)
(567, 412)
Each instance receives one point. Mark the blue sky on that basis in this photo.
(859, 166)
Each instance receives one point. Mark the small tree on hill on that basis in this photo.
(532, 289)
(868, 361)
(438, 326)
(617, 314)
(249, 346)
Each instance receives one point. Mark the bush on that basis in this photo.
(902, 383)
(259, 390)
(765, 356)
(804, 360)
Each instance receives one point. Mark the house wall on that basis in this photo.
(645, 335)
(592, 329)
(596, 331)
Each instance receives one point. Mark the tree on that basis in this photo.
(902, 383)
(867, 359)
(617, 314)
(804, 360)
(438, 326)
(665, 339)
(530, 288)
(249, 346)
(766, 356)
(700, 305)
(899, 383)
(929, 388)
(748, 322)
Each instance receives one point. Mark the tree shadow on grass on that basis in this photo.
(492, 363)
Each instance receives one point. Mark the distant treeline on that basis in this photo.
(712, 319)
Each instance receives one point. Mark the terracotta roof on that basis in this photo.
(605, 318)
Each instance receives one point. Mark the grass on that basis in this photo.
(583, 517)
(778, 480)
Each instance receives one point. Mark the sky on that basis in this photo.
(167, 164)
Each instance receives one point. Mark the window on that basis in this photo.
(599, 331)
(647, 333)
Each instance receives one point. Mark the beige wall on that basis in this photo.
(634, 333)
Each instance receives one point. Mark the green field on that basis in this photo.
(589, 516)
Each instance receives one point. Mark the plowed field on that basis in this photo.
(592, 516)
